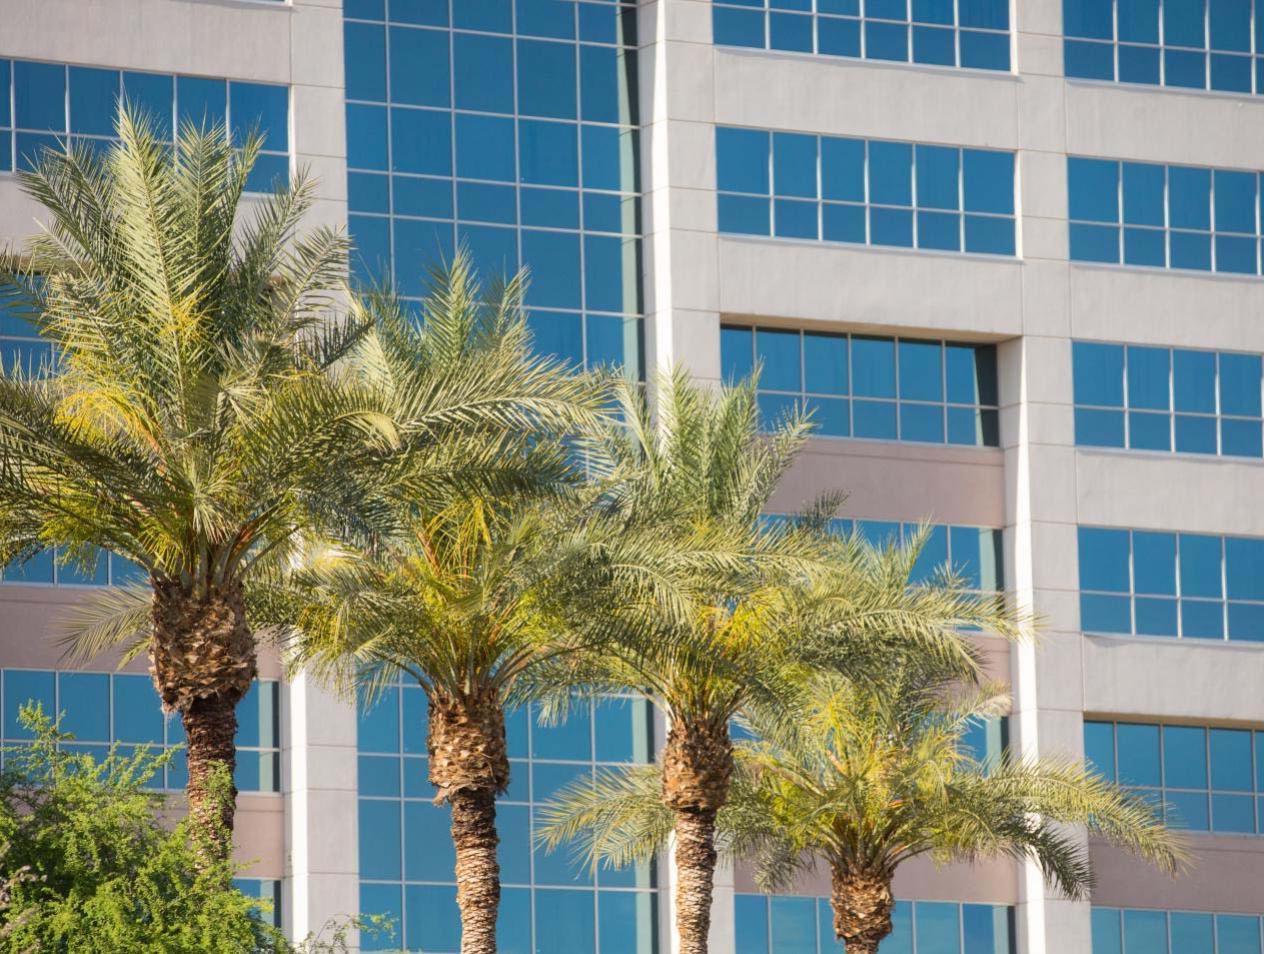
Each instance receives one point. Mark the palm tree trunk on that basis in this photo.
(695, 879)
(469, 765)
(862, 903)
(202, 658)
(697, 769)
(477, 871)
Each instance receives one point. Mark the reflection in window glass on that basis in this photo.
(549, 901)
(1120, 931)
(510, 130)
(787, 924)
(1160, 399)
(870, 387)
(865, 191)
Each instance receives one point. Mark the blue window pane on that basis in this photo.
(201, 102)
(365, 58)
(1089, 60)
(378, 725)
(921, 370)
(937, 177)
(1103, 560)
(1149, 431)
(1094, 243)
(1156, 617)
(1200, 565)
(1201, 619)
(831, 417)
(493, 251)
(1137, 64)
(972, 428)
(602, 90)
(137, 710)
(1093, 185)
(1240, 384)
(476, 203)
(1194, 381)
(1087, 18)
(774, 408)
(1238, 934)
(548, 153)
(989, 235)
(874, 419)
(742, 160)
(795, 219)
(737, 27)
(1098, 373)
(482, 73)
(1107, 931)
(262, 108)
(1246, 622)
(1235, 201)
(1188, 810)
(4, 93)
(624, 920)
(984, 51)
(428, 852)
(793, 925)
(835, 37)
(433, 921)
(1143, 193)
(934, 555)
(379, 840)
(366, 137)
(39, 96)
(609, 161)
(1230, 23)
(1189, 197)
(825, 363)
(887, 9)
(153, 95)
(368, 193)
(1148, 370)
(378, 775)
(937, 928)
(93, 99)
(564, 921)
(431, 198)
(1236, 255)
(384, 900)
(1183, 23)
(1105, 614)
(419, 67)
(269, 173)
(1191, 250)
(794, 165)
(1244, 568)
(750, 917)
(546, 79)
(85, 705)
(553, 18)
(1241, 438)
(891, 227)
(1138, 20)
(484, 147)
(1192, 933)
(873, 367)
(971, 373)
(1231, 73)
(424, 12)
(988, 179)
(1145, 930)
(939, 230)
(551, 208)
(513, 921)
(1231, 760)
(933, 45)
(788, 31)
(890, 173)
(421, 141)
(988, 14)
(745, 215)
(922, 422)
(886, 41)
(371, 255)
(1154, 562)
(1099, 428)
(1138, 754)
(843, 169)
(38, 569)
(1195, 435)
(779, 354)
(559, 336)
(1144, 247)
(1099, 748)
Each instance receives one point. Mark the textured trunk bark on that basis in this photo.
(202, 659)
(862, 903)
(210, 727)
(695, 878)
(469, 767)
(477, 871)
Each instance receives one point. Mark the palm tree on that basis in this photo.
(865, 776)
(460, 594)
(710, 610)
(195, 419)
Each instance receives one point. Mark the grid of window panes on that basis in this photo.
(974, 553)
(1208, 779)
(102, 708)
(1167, 399)
(1148, 215)
(549, 902)
(1192, 44)
(788, 924)
(1148, 931)
(48, 567)
(512, 130)
(42, 104)
(1189, 585)
(267, 889)
(867, 191)
(969, 33)
(870, 387)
